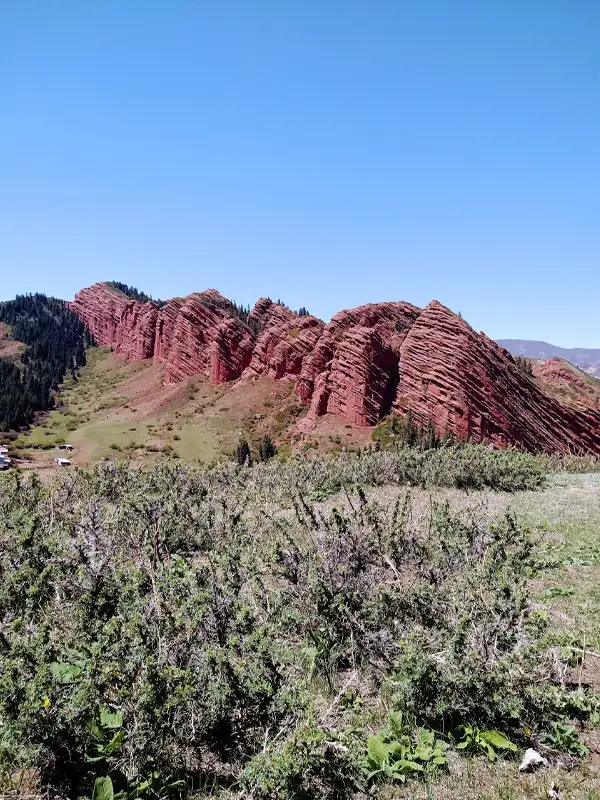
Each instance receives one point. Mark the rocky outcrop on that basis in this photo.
(199, 334)
(353, 370)
(284, 340)
(567, 383)
(366, 362)
(465, 383)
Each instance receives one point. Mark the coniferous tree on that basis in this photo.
(134, 294)
(266, 448)
(411, 431)
(430, 438)
(243, 456)
(55, 342)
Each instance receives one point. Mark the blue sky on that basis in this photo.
(327, 152)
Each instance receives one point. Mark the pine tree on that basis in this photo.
(266, 448)
(411, 431)
(431, 439)
(55, 347)
(243, 456)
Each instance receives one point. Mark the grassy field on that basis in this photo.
(564, 520)
(122, 410)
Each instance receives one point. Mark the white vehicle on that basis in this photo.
(63, 462)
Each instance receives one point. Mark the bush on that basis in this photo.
(308, 765)
(203, 624)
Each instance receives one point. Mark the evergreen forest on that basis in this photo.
(55, 341)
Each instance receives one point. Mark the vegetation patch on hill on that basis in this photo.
(54, 340)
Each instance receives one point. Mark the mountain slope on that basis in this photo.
(364, 363)
(588, 359)
(54, 344)
(567, 383)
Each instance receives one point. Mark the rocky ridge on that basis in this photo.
(361, 365)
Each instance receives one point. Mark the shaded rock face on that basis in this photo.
(353, 370)
(363, 364)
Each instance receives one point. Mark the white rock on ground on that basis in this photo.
(532, 760)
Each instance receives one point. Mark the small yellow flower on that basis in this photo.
(47, 702)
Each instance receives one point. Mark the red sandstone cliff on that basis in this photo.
(352, 371)
(199, 334)
(466, 383)
(364, 363)
(284, 340)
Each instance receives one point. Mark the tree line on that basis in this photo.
(134, 294)
(55, 340)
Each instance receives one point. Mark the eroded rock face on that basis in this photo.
(191, 336)
(353, 369)
(284, 340)
(567, 383)
(465, 383)
(364, 363)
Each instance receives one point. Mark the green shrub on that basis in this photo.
(308, 765)
(222, 618)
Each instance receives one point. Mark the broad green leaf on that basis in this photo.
(426, 737)
(396, 723)
(498, 740)
(103, 789)
(423, 753)
(115, 742)
(373, 773)
(110, 719)
(407, 766)
(377, 750)
(65, 673)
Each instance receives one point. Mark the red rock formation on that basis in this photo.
(567, 383)
(465, 383)
(284, 341)
(353, 370)
(364, 363)
(190, 336)
(197, 335)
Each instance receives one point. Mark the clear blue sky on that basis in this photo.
(328, 152)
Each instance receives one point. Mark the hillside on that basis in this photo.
(365, 363)
(567, 383)
(122, 409)
(9, 346)
(588, 359)
(48, 341)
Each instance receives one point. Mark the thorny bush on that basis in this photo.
(232, 630)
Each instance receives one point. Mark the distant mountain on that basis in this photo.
(586, 359)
